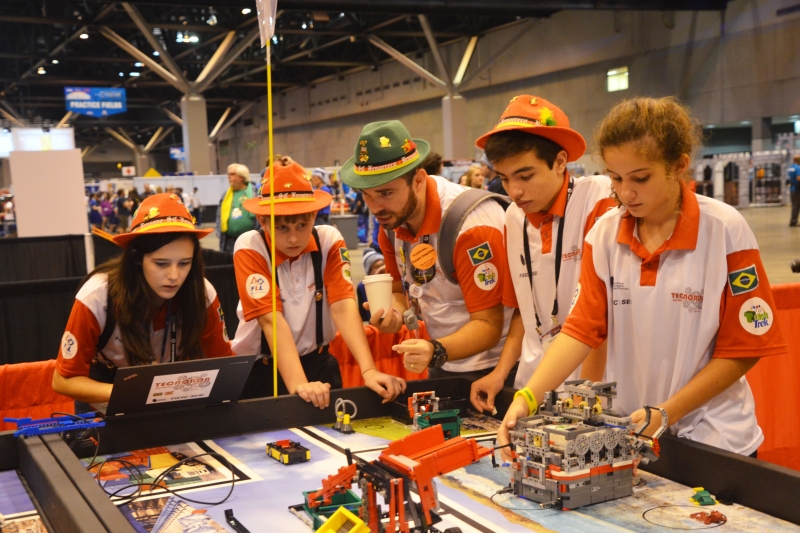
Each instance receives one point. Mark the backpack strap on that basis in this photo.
(452, 220)
(111, 323)
(316, 260)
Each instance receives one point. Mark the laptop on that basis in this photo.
(147, 388)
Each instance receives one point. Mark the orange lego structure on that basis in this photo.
(411, 461)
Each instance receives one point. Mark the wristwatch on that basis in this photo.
(439, 355)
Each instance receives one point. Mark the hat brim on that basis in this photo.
(570, 140)
(348, 172)
(322, 200)
(125, 238)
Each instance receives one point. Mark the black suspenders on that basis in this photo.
(316, 260)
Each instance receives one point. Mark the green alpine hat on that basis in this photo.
(384, 152)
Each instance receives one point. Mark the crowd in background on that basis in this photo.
(112, 211)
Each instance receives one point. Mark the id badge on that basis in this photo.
(548, 338)
(236, 212)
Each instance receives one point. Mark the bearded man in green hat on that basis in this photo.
(466, 320)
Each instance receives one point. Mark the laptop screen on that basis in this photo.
(140, 389)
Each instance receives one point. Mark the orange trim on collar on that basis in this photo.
(433, 215)
(280, 257)
(559, 207)
(684, 236)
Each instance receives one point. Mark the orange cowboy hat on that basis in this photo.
(160, 213)
(537, 116)
(293, 193)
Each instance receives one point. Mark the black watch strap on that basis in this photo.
(439, 355)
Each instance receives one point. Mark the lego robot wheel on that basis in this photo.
(611, 439)
(582, 444)
(597, 441)
(570, 447)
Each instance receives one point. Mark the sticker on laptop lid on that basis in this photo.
(183, 386)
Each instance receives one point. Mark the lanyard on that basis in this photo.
(170, 330)
(528, 263)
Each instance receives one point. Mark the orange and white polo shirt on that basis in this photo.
(703, 294)
(479, 259)
(295, 297)
(590, 199)
(88, 318)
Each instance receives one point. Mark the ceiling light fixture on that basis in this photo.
(41, 70)
(246, 11)
(212, 17)
(135, 74)
(55, 61)
(84, 35)
(155, 53)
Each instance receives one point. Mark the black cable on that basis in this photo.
(82, 435)
(644, 516)
(158, 480)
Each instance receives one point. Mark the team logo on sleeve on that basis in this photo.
(486, 276)
(346, 273)
(69, 345)
(755, 316)
(744, 280)
(257, 286)
(345, 253)
(480, 254)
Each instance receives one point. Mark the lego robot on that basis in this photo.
(576, 451)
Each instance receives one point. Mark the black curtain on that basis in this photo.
(39, 258)
(33, 315)
(216, 258)
(104, 250)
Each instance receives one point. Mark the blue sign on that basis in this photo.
(95, 101)
(177, 153)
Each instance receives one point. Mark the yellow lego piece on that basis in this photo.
(343, 520)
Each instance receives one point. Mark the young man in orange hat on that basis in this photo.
(314, 295)
(545, 226)
(466, 320)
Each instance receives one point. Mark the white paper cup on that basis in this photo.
(379, 292)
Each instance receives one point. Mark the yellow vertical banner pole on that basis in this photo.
(273, 274)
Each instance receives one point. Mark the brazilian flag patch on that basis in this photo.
(345, 255)
(480, 254)
(744, 280)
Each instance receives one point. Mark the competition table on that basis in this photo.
(43, 475)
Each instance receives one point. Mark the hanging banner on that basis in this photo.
(95, 101)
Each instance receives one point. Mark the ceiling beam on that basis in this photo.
(525, 28)
(437, 54)
(64, 122)
(221, 120)
(163, 53)
(220, 67)
(219, 53)
(465, 59)
(129, 48)
(125, 142)
(406, 61)
(242, 110)
(175, 118)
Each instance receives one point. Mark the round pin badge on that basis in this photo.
(69, 345)
(257, 286)
(415, 291)
(756, 316)
(423, 256)
(485, 276)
